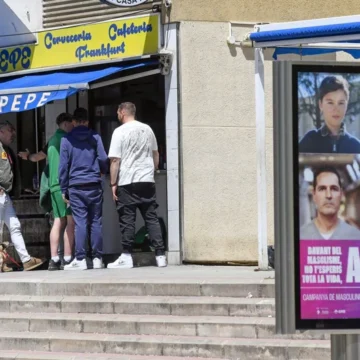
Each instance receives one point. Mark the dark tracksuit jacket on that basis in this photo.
(82, 161)
(321, 141)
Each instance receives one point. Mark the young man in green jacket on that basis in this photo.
(62, 213)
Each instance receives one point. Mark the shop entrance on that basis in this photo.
(100, 90)
(147, 92)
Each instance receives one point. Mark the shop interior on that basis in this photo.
(35, 127)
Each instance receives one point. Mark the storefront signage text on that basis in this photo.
(50, 40)
(21, 102)
(11, 59)
(125, 30)
(126, 3)
(103, 41)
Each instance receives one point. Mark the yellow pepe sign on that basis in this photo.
(115, 39)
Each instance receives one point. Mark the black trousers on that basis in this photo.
(140, 196)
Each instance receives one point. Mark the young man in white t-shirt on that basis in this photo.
(134, 157)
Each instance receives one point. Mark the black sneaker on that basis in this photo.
(53, 266)
(63, 263)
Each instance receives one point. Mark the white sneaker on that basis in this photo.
(161, 261)
(125, 261)
(98, 263)
(76, 265)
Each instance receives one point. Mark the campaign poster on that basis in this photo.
(328, 241)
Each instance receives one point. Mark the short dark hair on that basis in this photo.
(129, 107)
(7, 123)
(333, 83)
(63, 117)
(327, 169)
(80, 115)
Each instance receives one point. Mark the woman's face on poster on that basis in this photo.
(333, 107)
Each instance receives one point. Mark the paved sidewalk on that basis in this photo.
(171, 274)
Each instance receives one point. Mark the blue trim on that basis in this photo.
(308, 52)
(306, 32)
(28, 99)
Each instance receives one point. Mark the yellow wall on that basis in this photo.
(260, 10)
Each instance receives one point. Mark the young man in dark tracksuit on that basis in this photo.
(82, 161)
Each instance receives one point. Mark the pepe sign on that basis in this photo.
(125, 3)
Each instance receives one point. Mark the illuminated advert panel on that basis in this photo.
(326, 115)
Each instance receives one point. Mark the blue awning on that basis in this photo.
(307, 32)
(293, 37)
(32, 91)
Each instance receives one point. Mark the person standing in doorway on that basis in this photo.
(61, 211)
(82, 161)
(7, 211)
(134, 158)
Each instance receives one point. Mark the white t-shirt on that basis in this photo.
(328, 235)
(134, 143)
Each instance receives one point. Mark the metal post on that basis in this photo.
(260, 159)
(37, 146)
(345, 347)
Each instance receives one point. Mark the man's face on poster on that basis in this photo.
(327, 194)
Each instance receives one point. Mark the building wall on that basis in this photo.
(218, 142)
(19, 19)
(260, 10)
(219, 145)
(29, 12)
(60, 13)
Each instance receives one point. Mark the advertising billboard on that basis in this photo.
(326, 111)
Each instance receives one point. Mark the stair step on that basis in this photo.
(92, 283)
(203, 326)
(147, 305)
(208, 347)
(42, 355)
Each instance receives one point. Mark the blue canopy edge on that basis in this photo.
(22, 93)
(306, 32)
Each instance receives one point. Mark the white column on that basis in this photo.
(172, 150)
(261, 159)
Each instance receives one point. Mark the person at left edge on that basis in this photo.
(82, 161)
(7, 211)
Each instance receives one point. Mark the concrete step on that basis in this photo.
(208, 347)
(137, 305)
(203, 326)
(91, 284)
(35, 231)
(44, 355)
(28, 207)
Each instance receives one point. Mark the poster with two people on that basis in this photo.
(328, 143)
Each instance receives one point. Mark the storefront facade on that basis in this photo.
(218, 122)
(211, 168)
(97, 66)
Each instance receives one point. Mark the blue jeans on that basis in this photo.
(86, 205)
